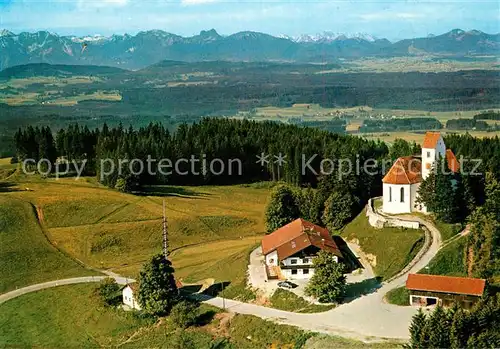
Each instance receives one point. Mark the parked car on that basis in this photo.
(286, 284)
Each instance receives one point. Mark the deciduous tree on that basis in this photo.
(328, 282)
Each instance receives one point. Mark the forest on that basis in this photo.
(406, 124)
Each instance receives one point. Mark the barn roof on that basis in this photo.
(405, 170)
(445, 284)
(296, 236)
(431, 139)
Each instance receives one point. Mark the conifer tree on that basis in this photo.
(438, 329)
(417, 328)
(157, 289)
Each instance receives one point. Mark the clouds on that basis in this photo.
(197, 2)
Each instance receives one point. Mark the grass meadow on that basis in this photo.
(211, 229)
(27, 256)
(393, 248)
(73, 315)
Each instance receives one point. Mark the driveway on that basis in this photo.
(257, 278)
(367, 318)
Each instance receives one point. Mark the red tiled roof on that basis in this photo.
(446, 284)
(296, 236)
(431, 139)
(453, 164)
(405, 170)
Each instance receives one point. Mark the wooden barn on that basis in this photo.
(444, 290)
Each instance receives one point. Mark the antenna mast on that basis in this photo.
(165, 232)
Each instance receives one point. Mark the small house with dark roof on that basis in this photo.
(289, 251)
(401, 183)
(428, 290)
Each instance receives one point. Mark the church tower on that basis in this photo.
(432, 149)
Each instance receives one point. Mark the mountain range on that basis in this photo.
(148, 47)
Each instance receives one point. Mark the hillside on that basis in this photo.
(148, 47)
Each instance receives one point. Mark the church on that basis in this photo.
(401, 183)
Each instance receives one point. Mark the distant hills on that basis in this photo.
(149, 47)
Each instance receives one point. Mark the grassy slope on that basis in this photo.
(71, 316)
(450, 260)
(398, 296)
(211, 229)
(393, 247)
(26, 255)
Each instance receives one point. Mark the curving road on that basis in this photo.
(368, 318)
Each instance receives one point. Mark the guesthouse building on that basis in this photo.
(289, 251)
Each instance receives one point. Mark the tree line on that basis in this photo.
(456, 328)
(211, 138)
(400, 124)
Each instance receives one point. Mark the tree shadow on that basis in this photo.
(6, 187)
(205, 318)
(190, 289)
(362, 288)
(163, 190)
(215, 289)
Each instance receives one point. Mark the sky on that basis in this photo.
(396, 19)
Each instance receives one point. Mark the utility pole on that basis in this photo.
(165, 233)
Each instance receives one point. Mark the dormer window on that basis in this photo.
(293, 244)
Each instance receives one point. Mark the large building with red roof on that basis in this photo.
(289, 251)
(401, 183)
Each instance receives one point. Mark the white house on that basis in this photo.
(401, 183)
(289, 251)
(129, 294)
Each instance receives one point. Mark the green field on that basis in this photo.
(27, 257)
(390, 249)
(73, 317)
(211, 229)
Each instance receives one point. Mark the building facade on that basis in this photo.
(290, 250)
(129, 294)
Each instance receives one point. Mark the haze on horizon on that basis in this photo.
(393, 20)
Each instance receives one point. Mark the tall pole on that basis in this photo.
(165, 237)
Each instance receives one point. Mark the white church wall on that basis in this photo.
(392, 201)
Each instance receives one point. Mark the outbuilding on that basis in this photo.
(428, 290)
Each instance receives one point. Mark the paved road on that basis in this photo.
(37, 287)
(367, 318)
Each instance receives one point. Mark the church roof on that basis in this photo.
(451, 159)
(431, 139)
(405, 170)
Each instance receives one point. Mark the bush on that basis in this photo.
(109, 292)
(184, 313)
